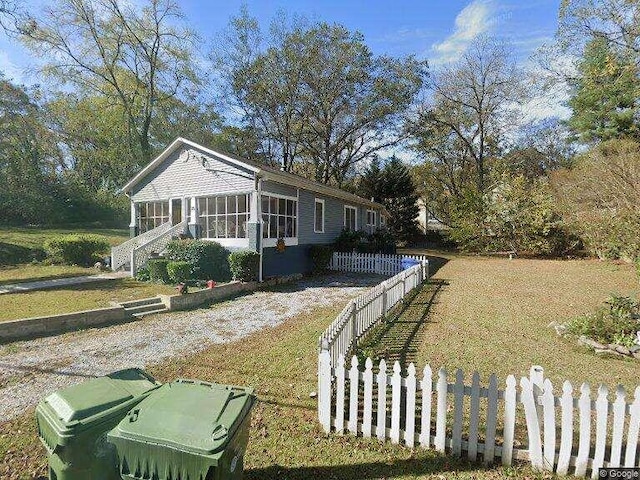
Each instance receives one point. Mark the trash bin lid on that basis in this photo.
(192, 416)
(66, 412)
(98, 395)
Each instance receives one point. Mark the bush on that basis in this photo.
(158, 270)
(615, 322)
(209, 260)
(244, 265)
(179, 271)
(142, 275)
(381, 241)
(320, 256)
(77, 249)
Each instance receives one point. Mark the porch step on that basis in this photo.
(144, 307)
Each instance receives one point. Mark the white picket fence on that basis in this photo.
(368, 309)
(370, 263)
(560, 434)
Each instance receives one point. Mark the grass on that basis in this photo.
(490, 314)
(24, 244)
(286, 442)
(76, 298)
(36, 272)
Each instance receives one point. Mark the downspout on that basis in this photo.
(259, 212)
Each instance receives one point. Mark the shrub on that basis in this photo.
(209, 260)
(320, 256)
(244, 265)
(158, 270)
(381, 241)
(142, 275)
(77, 249)
(348, 240)
(179, 271)
(614, 322)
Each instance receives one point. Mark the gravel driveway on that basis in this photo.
(32, 369)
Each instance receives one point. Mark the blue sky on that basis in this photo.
(435, 30)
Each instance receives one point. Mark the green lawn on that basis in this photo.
(75, 298)
(34, 272)
(490, 314)
(23, 244)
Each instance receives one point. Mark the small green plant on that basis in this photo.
(614, 322)
(142, 275)
(320, 256)
(158, 270)
(179, 271)
(76, 249)
(245, 265)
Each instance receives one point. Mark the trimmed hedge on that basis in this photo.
(77, 249)
(158, 270)
(320, 256)
(244, 265)
(179, 271)
(209, 260)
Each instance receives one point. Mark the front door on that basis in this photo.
(176, 211)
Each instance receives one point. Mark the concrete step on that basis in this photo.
(152, 307)
(150, 312)
(138, 303)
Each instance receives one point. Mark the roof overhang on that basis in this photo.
(264, 173)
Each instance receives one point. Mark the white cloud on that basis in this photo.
(9, 69)
(472, 21)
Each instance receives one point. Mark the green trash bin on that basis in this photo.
(73, 423)
(187, 430)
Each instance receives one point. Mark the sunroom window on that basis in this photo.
(152, 215)
(224, 216)
(279, 216)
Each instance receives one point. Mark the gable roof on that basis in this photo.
(261, 171)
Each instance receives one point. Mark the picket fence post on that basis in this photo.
(381, 420)
(324, 388)
(533, 428)
(425, 422)
(441, 410)
(340, 395)
(410, 424)
(353, 396)
(396, 390)
(367, 415)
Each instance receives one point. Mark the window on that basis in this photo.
(279, 216)
(350, 218)
(318, 218)
(371, 220)
(224, 216)
(152, 215)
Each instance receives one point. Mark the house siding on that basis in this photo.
(294, 259)
(182, 175)
(279, 189)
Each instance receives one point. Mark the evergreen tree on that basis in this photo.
(605, 101)
(398, 194)
(370, 184)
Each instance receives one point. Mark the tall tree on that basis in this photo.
(138, 58)
(400, 198)
(466, 122)
(29, 159)
(318, 94)
(370, 184)
(605, 96)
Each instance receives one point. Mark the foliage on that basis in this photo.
(143, 275)
(467, 121)
(244, 265)
(137, 57)
(614, 322)
(77, 249)
(380, 241)
(400, 199)
(158, 270)
(287, 88)
(518, 215)
(349, 240)
(600, 199)
(320, 256)
(209, 260)
(604, 101)
(179, 271)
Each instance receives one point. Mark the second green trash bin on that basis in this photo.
(73, 423)
(187, 429)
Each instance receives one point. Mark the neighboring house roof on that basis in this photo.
(262, 171)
